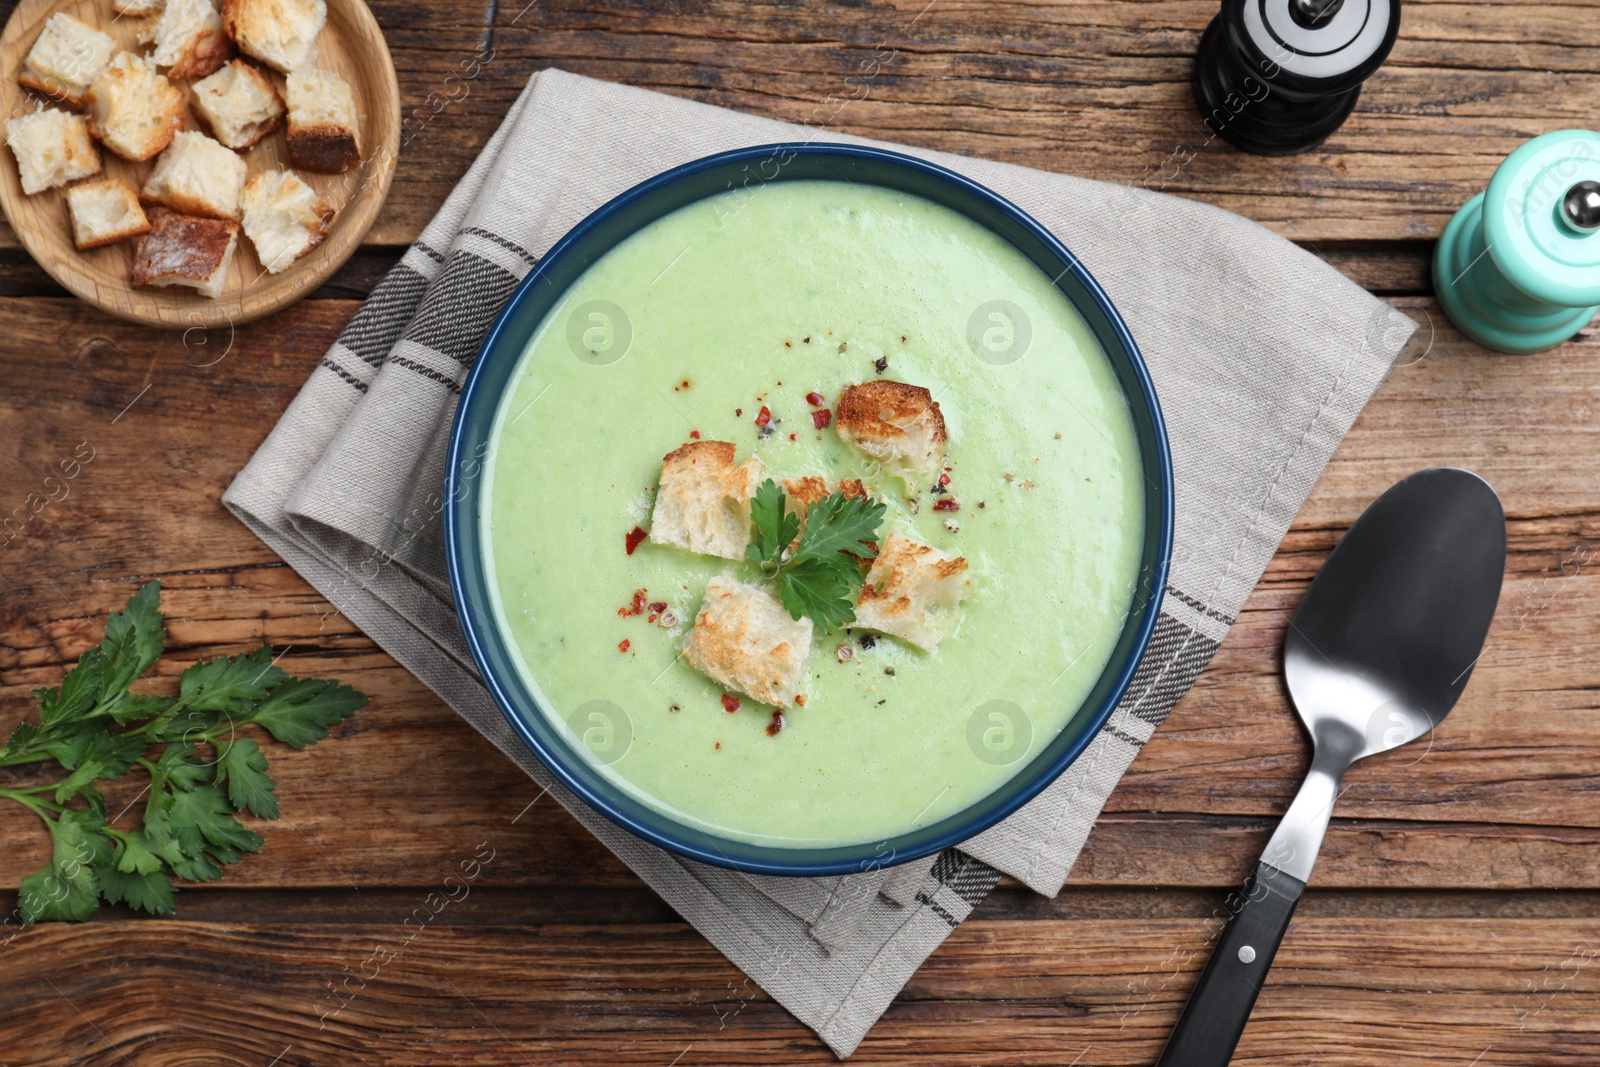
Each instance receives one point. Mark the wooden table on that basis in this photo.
(1454, 917)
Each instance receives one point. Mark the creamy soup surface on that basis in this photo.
(753, 300)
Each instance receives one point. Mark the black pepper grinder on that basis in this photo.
(1276, 77)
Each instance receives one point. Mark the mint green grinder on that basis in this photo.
(1518, 267)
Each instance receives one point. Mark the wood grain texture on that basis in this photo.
(351, 44)
(1452, 918)
(999, 991)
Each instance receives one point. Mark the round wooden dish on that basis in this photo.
(351, 44)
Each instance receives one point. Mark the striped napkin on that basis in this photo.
(1262, 355)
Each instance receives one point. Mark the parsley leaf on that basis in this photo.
(203, 775)
(244, 770)
(299, 711)
(230, 685)
(816, 577)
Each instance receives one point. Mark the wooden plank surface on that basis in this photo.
(1454, 915)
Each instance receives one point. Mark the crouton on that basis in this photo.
(52, 148)
(196, 176)
(105, 212)
(324, 133)
(138, 8)
(744, 640)
(181, 250)
(66, 59)
(238, 104)
(898, 425)
(913, 592)
(133, 110)
(280, 33)
(800, 493)
(189, 39)
(283, 217)
(703, 503)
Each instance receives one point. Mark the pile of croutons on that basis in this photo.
(198, 193)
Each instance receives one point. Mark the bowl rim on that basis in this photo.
(868, 854)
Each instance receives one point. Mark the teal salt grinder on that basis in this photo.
(1518, 267)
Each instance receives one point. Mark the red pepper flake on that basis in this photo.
(816, 400)
(794, 437)
(622, 646)
(776, 725)
(652, 617)
(821, 419)
(944, 479)
(636, 606)
(800, 700)
(634, 539)
(764, 416)
(730, 703)
(658, 606)
(738, 413)
(719, 746)
(946, 503)
(695, 434)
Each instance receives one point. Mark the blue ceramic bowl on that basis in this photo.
(543, 288)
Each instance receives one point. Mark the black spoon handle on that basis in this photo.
(1219, 1006)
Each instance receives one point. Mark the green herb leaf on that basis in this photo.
(773, 526)
(67, 888)
(300, 710)
(202, 821)
(821, 590)
(134, 641)
(231, 685)
(150, 891)
(817, 578)
(243, 769)
(840, 523)
(106, 756)
(190, 828)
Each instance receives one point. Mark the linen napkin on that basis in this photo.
(1262, 356)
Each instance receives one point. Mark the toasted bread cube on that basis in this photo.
(138, 8)
(66, 59)
(52, 148)
(196, 176)
(105, 212)
(324, 133)
(133, 110)
(189, 39)
(703, 503)
(283, 217)
(239, 104)
(182, 250)
(898, 425)
(280, 33)
(913, 592)
(744, 640)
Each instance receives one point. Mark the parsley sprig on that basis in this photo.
(203, 773)
(816, 577)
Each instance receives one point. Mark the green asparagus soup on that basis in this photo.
(740, 318)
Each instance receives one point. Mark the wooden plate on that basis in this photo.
(351, 44)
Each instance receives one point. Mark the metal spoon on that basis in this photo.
(1377, 655)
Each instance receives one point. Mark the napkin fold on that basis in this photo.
(1262, 356)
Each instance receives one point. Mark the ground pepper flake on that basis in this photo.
(821, 419)
(776, 725)
(634, 539)
(946, 503)
(730, 703)
(816, 400)
(881, 364)
(764, 416)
